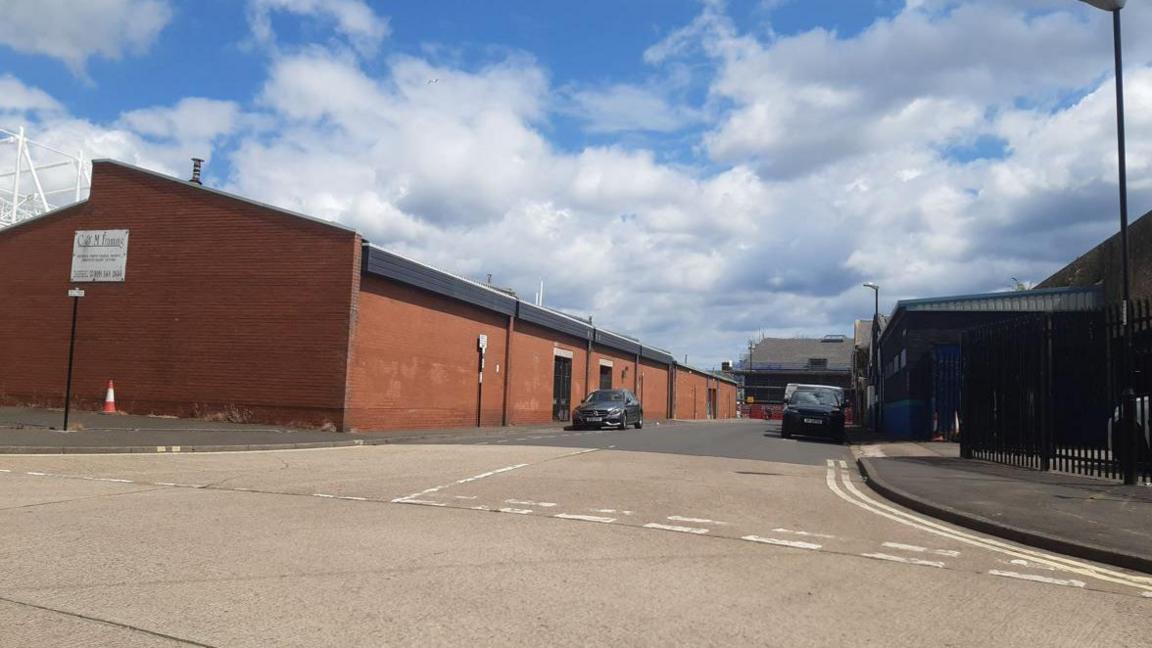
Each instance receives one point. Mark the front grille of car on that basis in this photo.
(599, 412)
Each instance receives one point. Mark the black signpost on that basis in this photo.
(75, 294)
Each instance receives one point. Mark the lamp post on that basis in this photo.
(1127, 393)
(873, 353)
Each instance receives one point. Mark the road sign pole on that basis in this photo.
(75, 294)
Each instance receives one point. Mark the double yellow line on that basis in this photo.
(840, 482)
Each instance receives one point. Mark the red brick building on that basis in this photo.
(233, 308)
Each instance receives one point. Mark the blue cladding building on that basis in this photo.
(920, 352)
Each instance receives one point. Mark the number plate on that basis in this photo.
(593, 419)
(814, 421)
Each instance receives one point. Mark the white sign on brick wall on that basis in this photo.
(99, 255)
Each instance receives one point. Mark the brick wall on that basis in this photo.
(414, 360)
(692, 396)
(227, 307)
(653, 391)
(533, 357)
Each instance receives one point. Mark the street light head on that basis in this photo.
(1106, 5)
(869, 284)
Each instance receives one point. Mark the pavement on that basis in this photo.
(710, 534)
(26, 430)
(1089, 518)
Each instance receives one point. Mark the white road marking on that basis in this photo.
(460, 481)
(901, 559)
(586, 518)
(907, 547)
(804, 533)
(530, 503)
(486, 474)
(323, 495)
(677, 518)
(352, 497)
(795, 544)
(1025, 563)
(38, 474)
(465, 497)
(5, 470)
(1042, 579)
(480, 508)
(861, 500)
(670, 527)
(118, 481)
(518, 511)
(844, 464)
(422, 502)
(1146, 594)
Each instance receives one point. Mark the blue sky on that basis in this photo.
(694, 172)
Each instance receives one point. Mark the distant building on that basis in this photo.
(775, 362)
(919, 351)
(1102, 265)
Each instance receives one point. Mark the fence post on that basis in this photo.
(1046, 417)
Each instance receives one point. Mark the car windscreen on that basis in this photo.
(816, 397)
(605, 396)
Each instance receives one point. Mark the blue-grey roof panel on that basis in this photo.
(555, 321)
(620, 343)
(392, 266)
(658, 355)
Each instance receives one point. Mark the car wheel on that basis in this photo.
(639, 424)
(784, 433)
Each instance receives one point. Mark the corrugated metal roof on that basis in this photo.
(1040, 301)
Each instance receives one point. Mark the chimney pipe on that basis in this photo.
(196, 163)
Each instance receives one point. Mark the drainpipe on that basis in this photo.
(508, 362)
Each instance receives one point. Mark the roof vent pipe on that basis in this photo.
(196, 163)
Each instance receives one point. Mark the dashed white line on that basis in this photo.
(1030, 565)
(907, 547)
(5, 470)
(621, 512)
(417, 501)
(678, 518)
(804, 533)
(795, 544)
(323, 495)
(517, 511)
(1146, 594)
(1042, 579)
(530, 503)
(352, 497)
(585, 518)
(38, 474)
(901, 559)
(672, 527)
(460, 481)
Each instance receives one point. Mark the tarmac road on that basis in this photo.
(684, 534)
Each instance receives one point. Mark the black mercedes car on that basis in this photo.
(609, 407)
(816, 412)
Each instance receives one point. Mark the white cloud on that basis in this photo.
(829, 161)
(76, 31)
(623, 107)
(353, 19)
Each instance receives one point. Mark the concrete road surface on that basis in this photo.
(692, 534)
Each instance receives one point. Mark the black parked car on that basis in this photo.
(818, 412)
(609, 407)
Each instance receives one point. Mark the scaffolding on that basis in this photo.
(36, 178)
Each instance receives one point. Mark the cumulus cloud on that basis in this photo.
(623, 107)
(825, 160)
(364, 29)
(73, 32)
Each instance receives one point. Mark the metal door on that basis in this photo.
(561, 389)
(605, 377)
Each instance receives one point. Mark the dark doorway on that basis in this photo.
(561, 389)
(605, 377)
(711, 402)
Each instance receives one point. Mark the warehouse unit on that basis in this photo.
(228, 308)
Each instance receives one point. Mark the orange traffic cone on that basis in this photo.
(110, 400)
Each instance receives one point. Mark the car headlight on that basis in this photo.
(616, 410)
